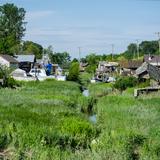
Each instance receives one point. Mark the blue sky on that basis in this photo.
(91, 24)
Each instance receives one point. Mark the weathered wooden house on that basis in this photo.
(148, 71)
(129, 67)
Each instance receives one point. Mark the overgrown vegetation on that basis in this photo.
(123, 83)
(73, 72)
(48, 120)
(44, 120)
(8, 81)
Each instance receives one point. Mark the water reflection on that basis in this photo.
(93, 118)
(86, 93)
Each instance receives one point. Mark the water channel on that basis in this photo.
(92, 117)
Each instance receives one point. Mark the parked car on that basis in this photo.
(37, 72)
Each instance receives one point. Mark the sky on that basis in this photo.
(93, 25)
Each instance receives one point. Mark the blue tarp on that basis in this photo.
(48, 69)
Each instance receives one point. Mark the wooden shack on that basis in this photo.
(129, 67)
(148, 71)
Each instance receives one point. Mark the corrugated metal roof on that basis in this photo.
(25, 58)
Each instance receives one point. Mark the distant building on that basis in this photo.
(148, 71)
(105, 69)
(26, 62)
(152, 59)
(129, 67)
(8, 61)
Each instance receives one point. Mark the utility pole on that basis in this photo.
(137, 48)
(112, 50)
(79, 48)
(158, 34)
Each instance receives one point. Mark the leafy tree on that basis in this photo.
(12, 27)
(73, 72)
(75, 60)
(34, 48)
(149, 47)
(63, 59)
(131, 51)
(83, 60)
(92, 59)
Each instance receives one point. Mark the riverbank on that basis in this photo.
(44, 120)
(47, 120)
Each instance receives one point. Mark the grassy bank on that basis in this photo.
(45, 121)
(130, 128)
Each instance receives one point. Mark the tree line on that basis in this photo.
(13, 27)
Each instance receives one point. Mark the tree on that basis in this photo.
(63, 59)
(92, 60)
(131, 51)
(73, 72)
(12, 27)
(75, 60)
(34, 48)
(149, 47)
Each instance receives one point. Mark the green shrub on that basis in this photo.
(125, 82)
(11, 83)
(73, 72)
(8, 80)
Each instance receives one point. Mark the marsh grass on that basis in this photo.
(130, 127)
(44, 121)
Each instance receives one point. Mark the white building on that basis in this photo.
(8, 61)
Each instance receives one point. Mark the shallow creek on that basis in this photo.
(91, 117)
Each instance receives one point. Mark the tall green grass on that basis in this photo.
(130, 128)
(44, 121)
